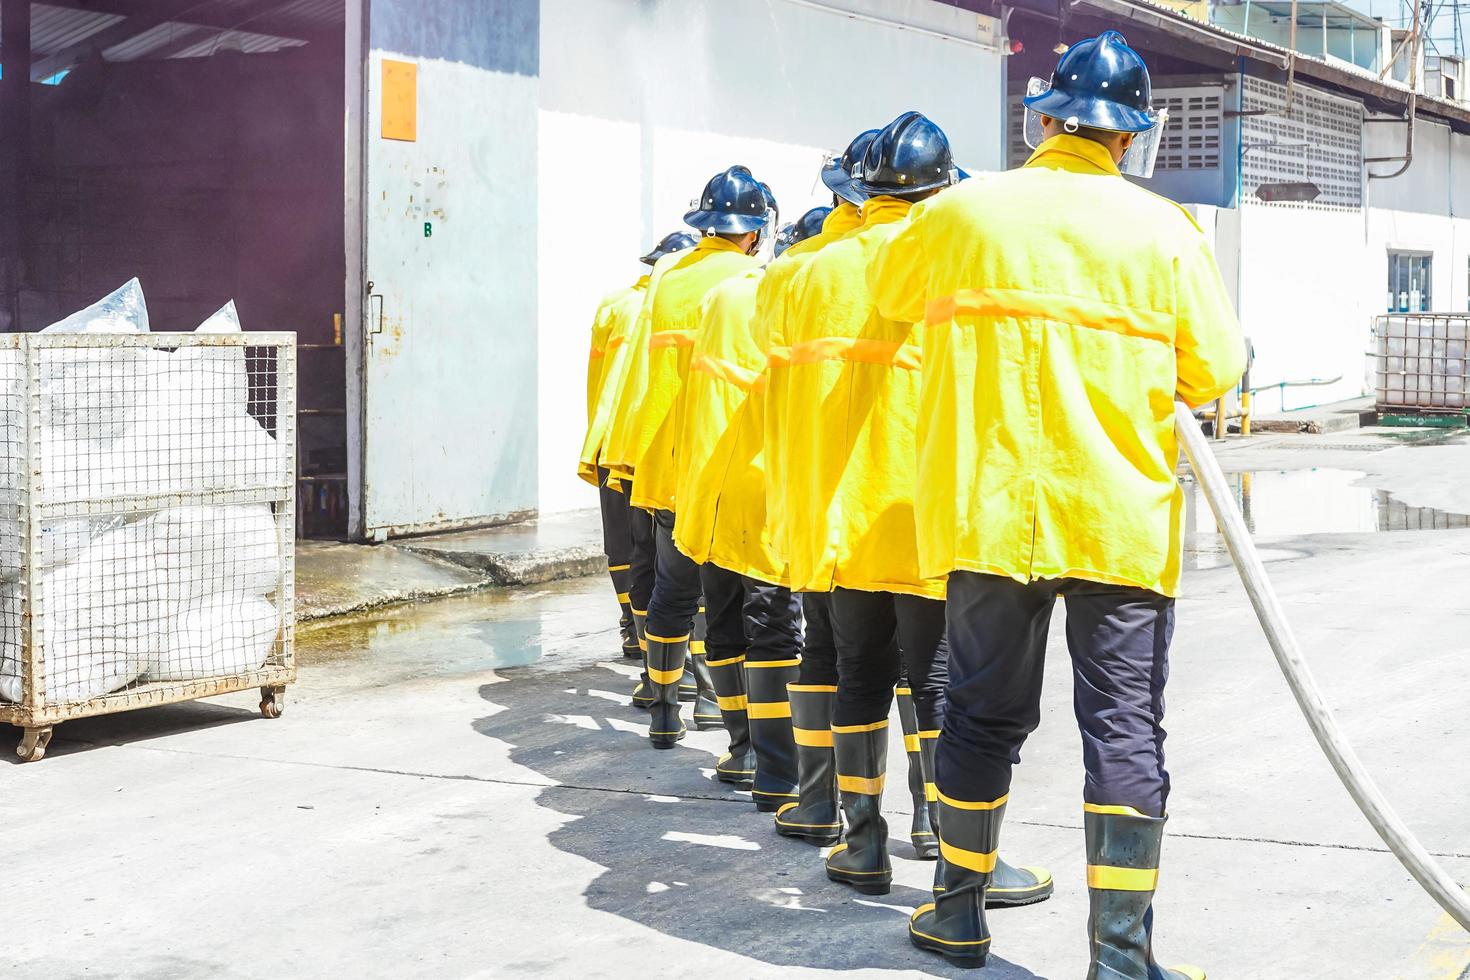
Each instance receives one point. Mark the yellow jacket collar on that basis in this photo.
(642, 283)
(883, 209)
(714, 243)
(844, 218)
(1076, 153)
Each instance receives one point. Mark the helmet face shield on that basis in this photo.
(1138, 160)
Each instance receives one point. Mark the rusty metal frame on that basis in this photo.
(34, 712)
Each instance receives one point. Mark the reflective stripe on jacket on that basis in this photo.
(1064, 310)
(606, 363)
(673, 311)
(849, 434)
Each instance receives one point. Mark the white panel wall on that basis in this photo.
(1304, 300)
(641, 102)
(1310, 281)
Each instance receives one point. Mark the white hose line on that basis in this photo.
(1451, 897)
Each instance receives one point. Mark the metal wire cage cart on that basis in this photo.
(147, 489)
(1421, 364)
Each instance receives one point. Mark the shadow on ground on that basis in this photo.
(128, 727)
(685, 855)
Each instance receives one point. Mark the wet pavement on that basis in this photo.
(460, 789)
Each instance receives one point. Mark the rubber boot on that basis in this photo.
(643, 690)
(689, 686)
(1009, 886)
(1123, 848)
(816, 816)
(736, 766)
(666, 655)
(921, 833)
(707, 712)
(621, 575)
(770, 732)
(861, 860)
(953, 925)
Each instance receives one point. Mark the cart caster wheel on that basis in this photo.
(272, 701)
(32, 747)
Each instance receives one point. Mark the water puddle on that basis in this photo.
(1311, 501)
(481, 631)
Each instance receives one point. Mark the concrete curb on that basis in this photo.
(513, 568)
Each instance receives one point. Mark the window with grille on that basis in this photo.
(1408, 282)
(1320, 141)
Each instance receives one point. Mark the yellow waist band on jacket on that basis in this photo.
(742, 378)
(1079, 310)
(861, 349)
(779, 356)
(671, 338)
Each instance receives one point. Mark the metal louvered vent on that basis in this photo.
(1321, 143)
(1191, 139)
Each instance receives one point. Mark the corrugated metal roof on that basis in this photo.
(1335, 71)
(227, 23)
(241, 41)
(55, 28)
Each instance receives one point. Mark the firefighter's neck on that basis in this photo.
(1115, 143)
(745, 242)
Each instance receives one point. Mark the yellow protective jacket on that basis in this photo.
(849, 433)
(606, 363)
(721, 490)
(1064, 310)
(673, 312)
(622, 425)
(770, 335)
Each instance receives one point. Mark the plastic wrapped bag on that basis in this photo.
(101, 616)
(210, 550)
(87, 393)
(202, 382)
(216, 636)
(10, 650)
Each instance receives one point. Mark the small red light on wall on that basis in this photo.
(1017, 47)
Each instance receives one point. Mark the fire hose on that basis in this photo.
(1370, 799)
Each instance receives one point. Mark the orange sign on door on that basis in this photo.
(400, 100)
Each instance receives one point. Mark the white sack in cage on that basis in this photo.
(86, 393)
(205, 550)
(100, 616)
(199, 382)
(10, 651)
(216, 636)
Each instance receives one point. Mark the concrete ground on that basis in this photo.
(459, 789)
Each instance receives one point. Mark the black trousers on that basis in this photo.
(819, 650)
(878, 634)
(1118, 638)
(744, 616)
(617, 531)
(641, 555)
(676, 585)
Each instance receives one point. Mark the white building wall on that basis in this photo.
(641, 102)
(1311, 280)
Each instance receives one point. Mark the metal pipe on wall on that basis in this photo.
(1369, 798)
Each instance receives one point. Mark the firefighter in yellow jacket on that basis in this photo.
(607, 447)
(753, 622)
(606, 362)
(852, 406)
(1064, 309)
(733, 212)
